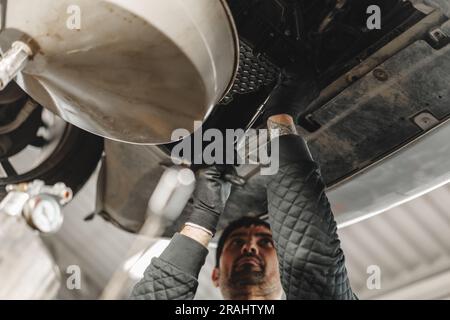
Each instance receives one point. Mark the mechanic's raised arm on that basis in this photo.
(174, 275)
(311, 261)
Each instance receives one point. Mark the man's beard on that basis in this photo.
(247, 276)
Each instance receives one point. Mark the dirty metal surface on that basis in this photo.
(375, 116)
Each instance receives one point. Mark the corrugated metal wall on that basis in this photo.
(410, 244)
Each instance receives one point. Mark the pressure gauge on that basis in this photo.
(43, 213)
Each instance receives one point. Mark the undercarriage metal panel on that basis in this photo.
(443, 5)
(420, 167)
(127, 179)
(375, 116)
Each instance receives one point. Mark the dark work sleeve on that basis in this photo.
(312, 264)
(173, 276)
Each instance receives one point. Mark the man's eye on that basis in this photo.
(238, 242)
(266, 242)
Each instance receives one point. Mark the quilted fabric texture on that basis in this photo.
(163, 281)
(312, 264)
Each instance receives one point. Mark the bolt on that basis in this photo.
(437, 35)
(380, 74)
(426, 120)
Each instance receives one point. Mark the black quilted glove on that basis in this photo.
(210, 196)
(296, 88)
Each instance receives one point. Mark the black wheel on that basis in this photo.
(43, 146)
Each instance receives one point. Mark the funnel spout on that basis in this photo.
(13, 61)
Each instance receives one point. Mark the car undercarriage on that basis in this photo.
(368, 108)
(377, 92)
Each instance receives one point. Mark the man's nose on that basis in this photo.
(250, 247)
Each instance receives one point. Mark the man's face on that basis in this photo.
(248, 259)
